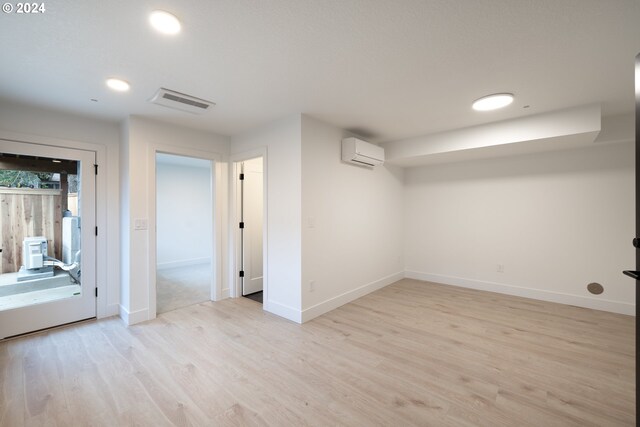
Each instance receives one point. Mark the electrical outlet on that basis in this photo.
(312, 286)
(500, 268)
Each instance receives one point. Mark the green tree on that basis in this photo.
(9, 178)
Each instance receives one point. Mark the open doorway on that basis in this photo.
(184, 209)
(251, 213)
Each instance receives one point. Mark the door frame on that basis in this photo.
(234, 231)
(217, 202)
(103, 306)
(57, 312)
(637, 214)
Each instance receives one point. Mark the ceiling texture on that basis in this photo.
(385, 69)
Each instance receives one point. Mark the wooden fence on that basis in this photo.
(28, 213)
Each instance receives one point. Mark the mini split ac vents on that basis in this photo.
(361, 153)
(180, 101)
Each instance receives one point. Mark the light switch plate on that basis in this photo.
(140, 224)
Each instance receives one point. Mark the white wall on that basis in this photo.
(352, 223)
(282, 141)
(183, 214)
(54, 127)
(143, 136)
(556, 221)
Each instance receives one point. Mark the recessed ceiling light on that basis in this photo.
(118, 84)
(492, 102)
(165, 22)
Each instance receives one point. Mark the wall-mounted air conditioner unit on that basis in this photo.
(360, 152)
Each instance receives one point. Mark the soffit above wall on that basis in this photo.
(559, 130)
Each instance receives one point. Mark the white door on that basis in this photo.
(37, 183)
(252, 207)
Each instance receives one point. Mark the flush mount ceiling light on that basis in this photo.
(492, 102)
(165, 22)
(118, 85)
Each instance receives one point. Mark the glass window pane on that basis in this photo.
(39, 230)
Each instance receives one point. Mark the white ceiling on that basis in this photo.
(386, 69)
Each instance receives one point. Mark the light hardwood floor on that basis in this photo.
(413, 353)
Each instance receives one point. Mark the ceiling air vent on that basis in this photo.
(180, 101)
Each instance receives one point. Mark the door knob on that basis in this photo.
(636, 242)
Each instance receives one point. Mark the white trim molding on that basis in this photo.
(131, 318)
(502, 288)
(283, 310)
(218, 184)
(235, 284)
(335, 302)
(104, 257)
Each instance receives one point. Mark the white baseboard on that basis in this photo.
(577, 300)
(131, 318)
(335, 302)
(183, 263)
(282, 310)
